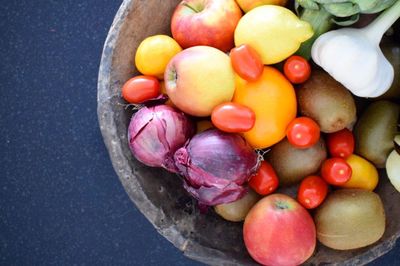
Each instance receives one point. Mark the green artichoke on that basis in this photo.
(324, 14)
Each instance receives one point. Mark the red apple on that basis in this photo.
(206, 22)
(279, 231)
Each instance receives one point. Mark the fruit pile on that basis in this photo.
(247, 99)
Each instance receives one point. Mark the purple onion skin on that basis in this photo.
(216, 165)
(156, 132)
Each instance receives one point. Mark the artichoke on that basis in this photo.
(324, 14)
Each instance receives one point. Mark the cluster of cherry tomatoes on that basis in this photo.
(304, 132)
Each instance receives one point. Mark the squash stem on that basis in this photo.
(380, 25)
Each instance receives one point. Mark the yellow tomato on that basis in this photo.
(364, 174)
(273, 100)
(154, 53)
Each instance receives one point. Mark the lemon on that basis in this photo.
(154, 53)
(274, 32)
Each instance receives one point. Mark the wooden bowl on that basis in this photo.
(158, 194)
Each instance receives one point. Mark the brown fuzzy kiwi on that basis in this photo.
(349, 219)
(292, 164)
(327, 102)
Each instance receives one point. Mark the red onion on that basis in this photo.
(215, 166)
(155, 133)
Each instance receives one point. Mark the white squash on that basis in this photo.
(353, 56)
(393, 165)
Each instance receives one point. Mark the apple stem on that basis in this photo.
(184, 3)
(281, 205)
(173, 75)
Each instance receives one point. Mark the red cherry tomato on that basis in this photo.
(265, 181)
(341, 143)
(312, 192)
(303, 132)
(336, 171)
(140, 89)
(246, 62)
(233, 117)
(297, 69)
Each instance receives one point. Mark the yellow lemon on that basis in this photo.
(274, 32)
(154, 53)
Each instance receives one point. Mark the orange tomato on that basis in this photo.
(246, 62)
(297, 69)
(312, 191)
(303, 132)
(265, 181)
(273, 100)
(233, 117)
(140, 89)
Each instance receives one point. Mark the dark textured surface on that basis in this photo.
(60, 201)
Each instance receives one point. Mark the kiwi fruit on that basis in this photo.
(292, 164)
(392, 54)
(375, 130)
(327, 101)
(236, 211)
(350, 219)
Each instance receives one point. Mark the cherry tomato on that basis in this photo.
(341, 143)
(233, 117)
(140, 89)
(336, 171)
(246, 62)
(265, 181)
(303, 132)
(312, 192)
(297, 69)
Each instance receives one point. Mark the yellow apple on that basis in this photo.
(198, 79)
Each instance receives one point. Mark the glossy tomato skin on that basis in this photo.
(303, 132)
(336, 171)
(297, 69)
(364, 173)
(140, 89)
(233, 117)
(246, 62)
(312, 192)
(341, 143)
(265, 181)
